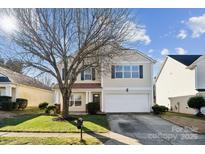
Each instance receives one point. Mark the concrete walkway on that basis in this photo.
(111, 137)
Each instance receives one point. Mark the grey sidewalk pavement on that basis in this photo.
(113, 138)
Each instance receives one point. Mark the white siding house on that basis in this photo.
(199, 66)
(176, 83)
(126, 88)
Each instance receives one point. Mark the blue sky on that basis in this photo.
(170, 31)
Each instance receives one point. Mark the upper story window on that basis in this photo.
(88, 74)
(127, 71)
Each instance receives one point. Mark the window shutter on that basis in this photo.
(63, 74)
(93, 73)
(82, 75)
(141, 71)
(113, 72)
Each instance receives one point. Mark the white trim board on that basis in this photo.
(130, 88)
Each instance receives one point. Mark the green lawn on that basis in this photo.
(47, 141)
(44, 123)
(181, 115)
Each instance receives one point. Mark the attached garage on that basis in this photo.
(116, 103)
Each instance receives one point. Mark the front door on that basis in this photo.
(96, 98)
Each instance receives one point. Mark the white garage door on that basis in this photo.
(126, 103)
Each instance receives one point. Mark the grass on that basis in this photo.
(45, 123)
(182, 115)
(196, 124)
(47, 141)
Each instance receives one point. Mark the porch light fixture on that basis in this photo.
(127, 89)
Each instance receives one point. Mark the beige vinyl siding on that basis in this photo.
(97, 76)
(81, 108)
(146, 81)
(34, 95)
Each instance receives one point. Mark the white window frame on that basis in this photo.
(138, 72)
(124, 71)
(86, 73)
(73, 99)
(119, 71)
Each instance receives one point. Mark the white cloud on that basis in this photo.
(182, 34)
(180, 51)
(197, 25)
(137, 33)
(164, 52)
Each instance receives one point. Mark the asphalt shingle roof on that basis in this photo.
(14, 77)
(185, 59)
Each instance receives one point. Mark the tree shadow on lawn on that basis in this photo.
(95, 119)
(16, 120)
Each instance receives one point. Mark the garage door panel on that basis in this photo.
(126, 103)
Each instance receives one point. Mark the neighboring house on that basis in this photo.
(176, 83)
(126, 88)
(17, 85)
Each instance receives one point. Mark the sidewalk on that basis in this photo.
(113, 138)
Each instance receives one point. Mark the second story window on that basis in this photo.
(127, 71)
(88, 74)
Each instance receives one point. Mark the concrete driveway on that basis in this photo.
(152, 130)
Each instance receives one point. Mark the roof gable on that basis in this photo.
(134, 51)
(185, 59)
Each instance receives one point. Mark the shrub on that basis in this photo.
(51, 109)
(15, 105)
(22, 103)
(196, 102)
(6, 103)
(5, 99)
(159, 109)
(43, 105)
(6, 106)
(93, 107)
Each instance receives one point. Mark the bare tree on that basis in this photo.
(12, 64)
(45, 78)
(79, 38)
(15, 65)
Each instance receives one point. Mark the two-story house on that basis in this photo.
(126, 88)
(180, 77)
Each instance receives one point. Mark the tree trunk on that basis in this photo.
(65, 107)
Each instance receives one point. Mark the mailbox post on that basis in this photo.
(80, 126)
